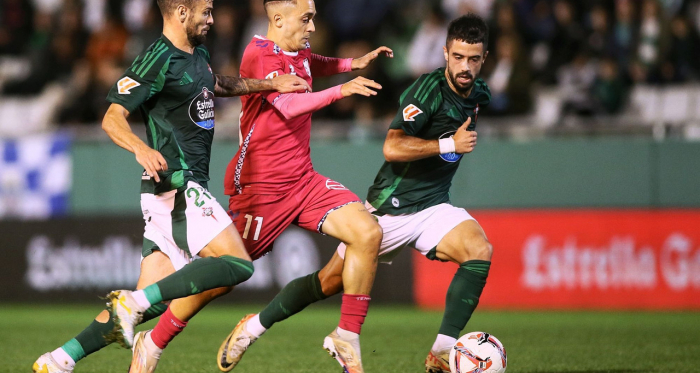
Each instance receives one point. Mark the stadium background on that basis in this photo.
(586, 176)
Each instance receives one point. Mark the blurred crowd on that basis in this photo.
(591, 51)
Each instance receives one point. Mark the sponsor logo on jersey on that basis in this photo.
(410, 112)
(334, 185)
(272, 75)
(450, 157)
(202, 109)
(125, 85)
(307, 67)
(394, 201)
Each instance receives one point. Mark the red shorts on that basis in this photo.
(261, 218)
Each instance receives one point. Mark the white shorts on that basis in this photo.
(421, 230)
(181, 224)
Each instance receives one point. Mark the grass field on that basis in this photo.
(395, 339)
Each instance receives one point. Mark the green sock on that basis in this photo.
(92, 339)
(292, 299)
(463, 296)
(198, 276)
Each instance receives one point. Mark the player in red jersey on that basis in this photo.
(271, 181)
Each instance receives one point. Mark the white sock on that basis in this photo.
(346, 334)
(254, 327)
(154, 350)
(63, 359)
(141, 300)
(443, 342)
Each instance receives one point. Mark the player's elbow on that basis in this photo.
(111, 116)
(390, 153)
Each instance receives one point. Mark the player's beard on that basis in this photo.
(462, 89)
(193, 37)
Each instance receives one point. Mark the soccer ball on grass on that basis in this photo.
(478, 352)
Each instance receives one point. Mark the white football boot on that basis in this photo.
(126, 314)
(235, 345)
(146, 353)
(347, 353)
(46, 364)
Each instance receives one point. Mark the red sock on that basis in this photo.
(167, 328)
(353, 312)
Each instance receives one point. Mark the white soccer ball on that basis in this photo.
(478, 352)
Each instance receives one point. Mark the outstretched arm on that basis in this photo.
(228, 86)
(296, 104)
(364, 61)
(325, 66)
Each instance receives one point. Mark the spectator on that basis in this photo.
(425, 52)
(684, 53)
(652, 35)
(576, 84)
(509, 79)
(567, 40)
(600, 40)
(16, 18)
(624, 34)
(609, 91)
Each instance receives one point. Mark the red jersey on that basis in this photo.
(274, 152)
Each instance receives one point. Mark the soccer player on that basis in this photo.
(433, 129)
(271, 181)
(173, 86)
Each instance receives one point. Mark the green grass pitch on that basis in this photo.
(394, 339)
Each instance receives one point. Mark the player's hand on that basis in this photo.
(152, 161)
(360, 86)
(465, 140)
(364, 61)
(290, 83)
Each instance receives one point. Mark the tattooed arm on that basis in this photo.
(228, 86)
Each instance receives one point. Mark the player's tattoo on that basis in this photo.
(228, 86)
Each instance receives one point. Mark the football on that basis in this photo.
(478, 352)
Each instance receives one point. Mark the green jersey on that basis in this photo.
(174, 91)
(429, 110)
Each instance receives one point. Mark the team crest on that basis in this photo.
(410, 112)
(207, 211)
(476, 113)
(307, 67)
(126, 84)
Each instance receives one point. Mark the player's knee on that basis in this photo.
(369, 237)
(481, 250)
(240, 269)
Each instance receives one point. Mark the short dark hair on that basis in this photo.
(167, 6)
(469, 28)
(266, 2)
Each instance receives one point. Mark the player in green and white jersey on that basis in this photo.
(172, 85)
(427, 139)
